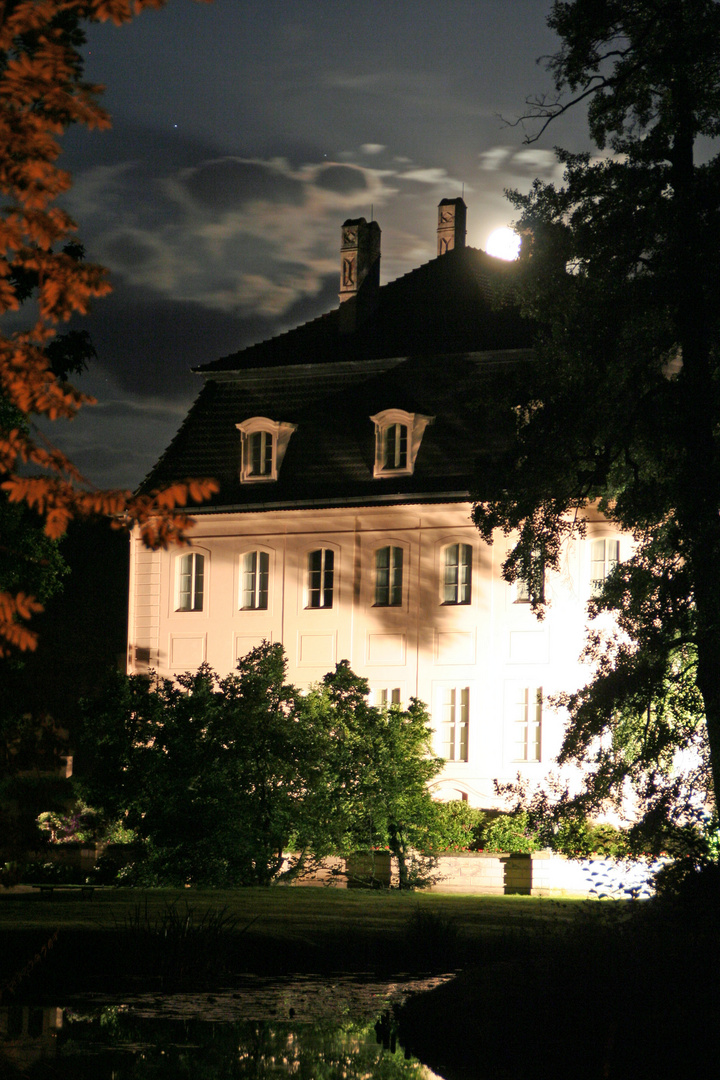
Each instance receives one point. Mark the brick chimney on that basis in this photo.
(359, 258)
(452, 217)
(359, 272)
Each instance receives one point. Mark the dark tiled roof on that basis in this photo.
(435, 344)
(450, 304)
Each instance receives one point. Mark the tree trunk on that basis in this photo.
(397, 847)
(699, 488)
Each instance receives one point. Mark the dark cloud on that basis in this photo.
(123, 410)
(149, 344)
(342, 179)
(228, 183)
(309, 307)
(126, 250)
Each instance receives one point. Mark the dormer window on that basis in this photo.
(260, 452)
(395, 447)
(263, 446)
(398, 435)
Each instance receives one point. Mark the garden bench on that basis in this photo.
(85, 891)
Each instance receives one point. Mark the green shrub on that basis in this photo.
(459, 826)
(577, 838)
(691, 883)
(511, 833)
(52, 873)
(608, 840)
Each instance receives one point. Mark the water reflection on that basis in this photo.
(323, 1036)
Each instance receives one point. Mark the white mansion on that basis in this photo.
(344, 451)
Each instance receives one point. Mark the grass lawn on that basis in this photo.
(288, 913)
(118, 934)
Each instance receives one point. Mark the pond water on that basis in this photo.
(311, 1029)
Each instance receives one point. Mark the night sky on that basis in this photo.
(244, 133)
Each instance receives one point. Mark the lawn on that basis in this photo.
(119, 933)
(288, 913)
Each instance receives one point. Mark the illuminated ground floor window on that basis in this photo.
(454, 722)
(526, 722)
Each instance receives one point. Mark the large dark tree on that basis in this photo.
(621, 271)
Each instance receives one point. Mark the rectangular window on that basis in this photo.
(320, 578)
(527, 723)
(386, 696)
(388, 577)
(455, 714)
(604, 556)
(261, 452)
(457, 574)
(255, 576)
(191, 574)
(396, 447)
(522, 586)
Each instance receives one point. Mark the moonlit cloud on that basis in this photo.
(520, 161)
(243, 135)
(534, 161)
(494, 159)
(231, 234)
(431, 176)
(112, 443)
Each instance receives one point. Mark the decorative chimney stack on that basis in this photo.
(359, 258)
(452, 217)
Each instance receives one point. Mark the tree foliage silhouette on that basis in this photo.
(222, 777)
(620, 266)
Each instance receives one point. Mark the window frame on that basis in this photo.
(608, 562)
(272, 449)
(395, 439)
(261, 556)
(457, 585)
(395, 420)
(524, 728)
(386, 696)
(261, 452)
(522, 594)
(454, 728)
(196, 560)
(322, 590)
(393, 590)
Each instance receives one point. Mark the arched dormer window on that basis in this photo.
(398, 435)
(263, 446)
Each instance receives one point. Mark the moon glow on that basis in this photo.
(503, 244)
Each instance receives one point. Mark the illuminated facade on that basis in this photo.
(344, 451)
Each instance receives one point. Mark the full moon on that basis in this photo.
(503, 244)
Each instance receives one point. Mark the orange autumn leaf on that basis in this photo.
(42, 93)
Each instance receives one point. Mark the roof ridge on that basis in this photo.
(320, 336)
